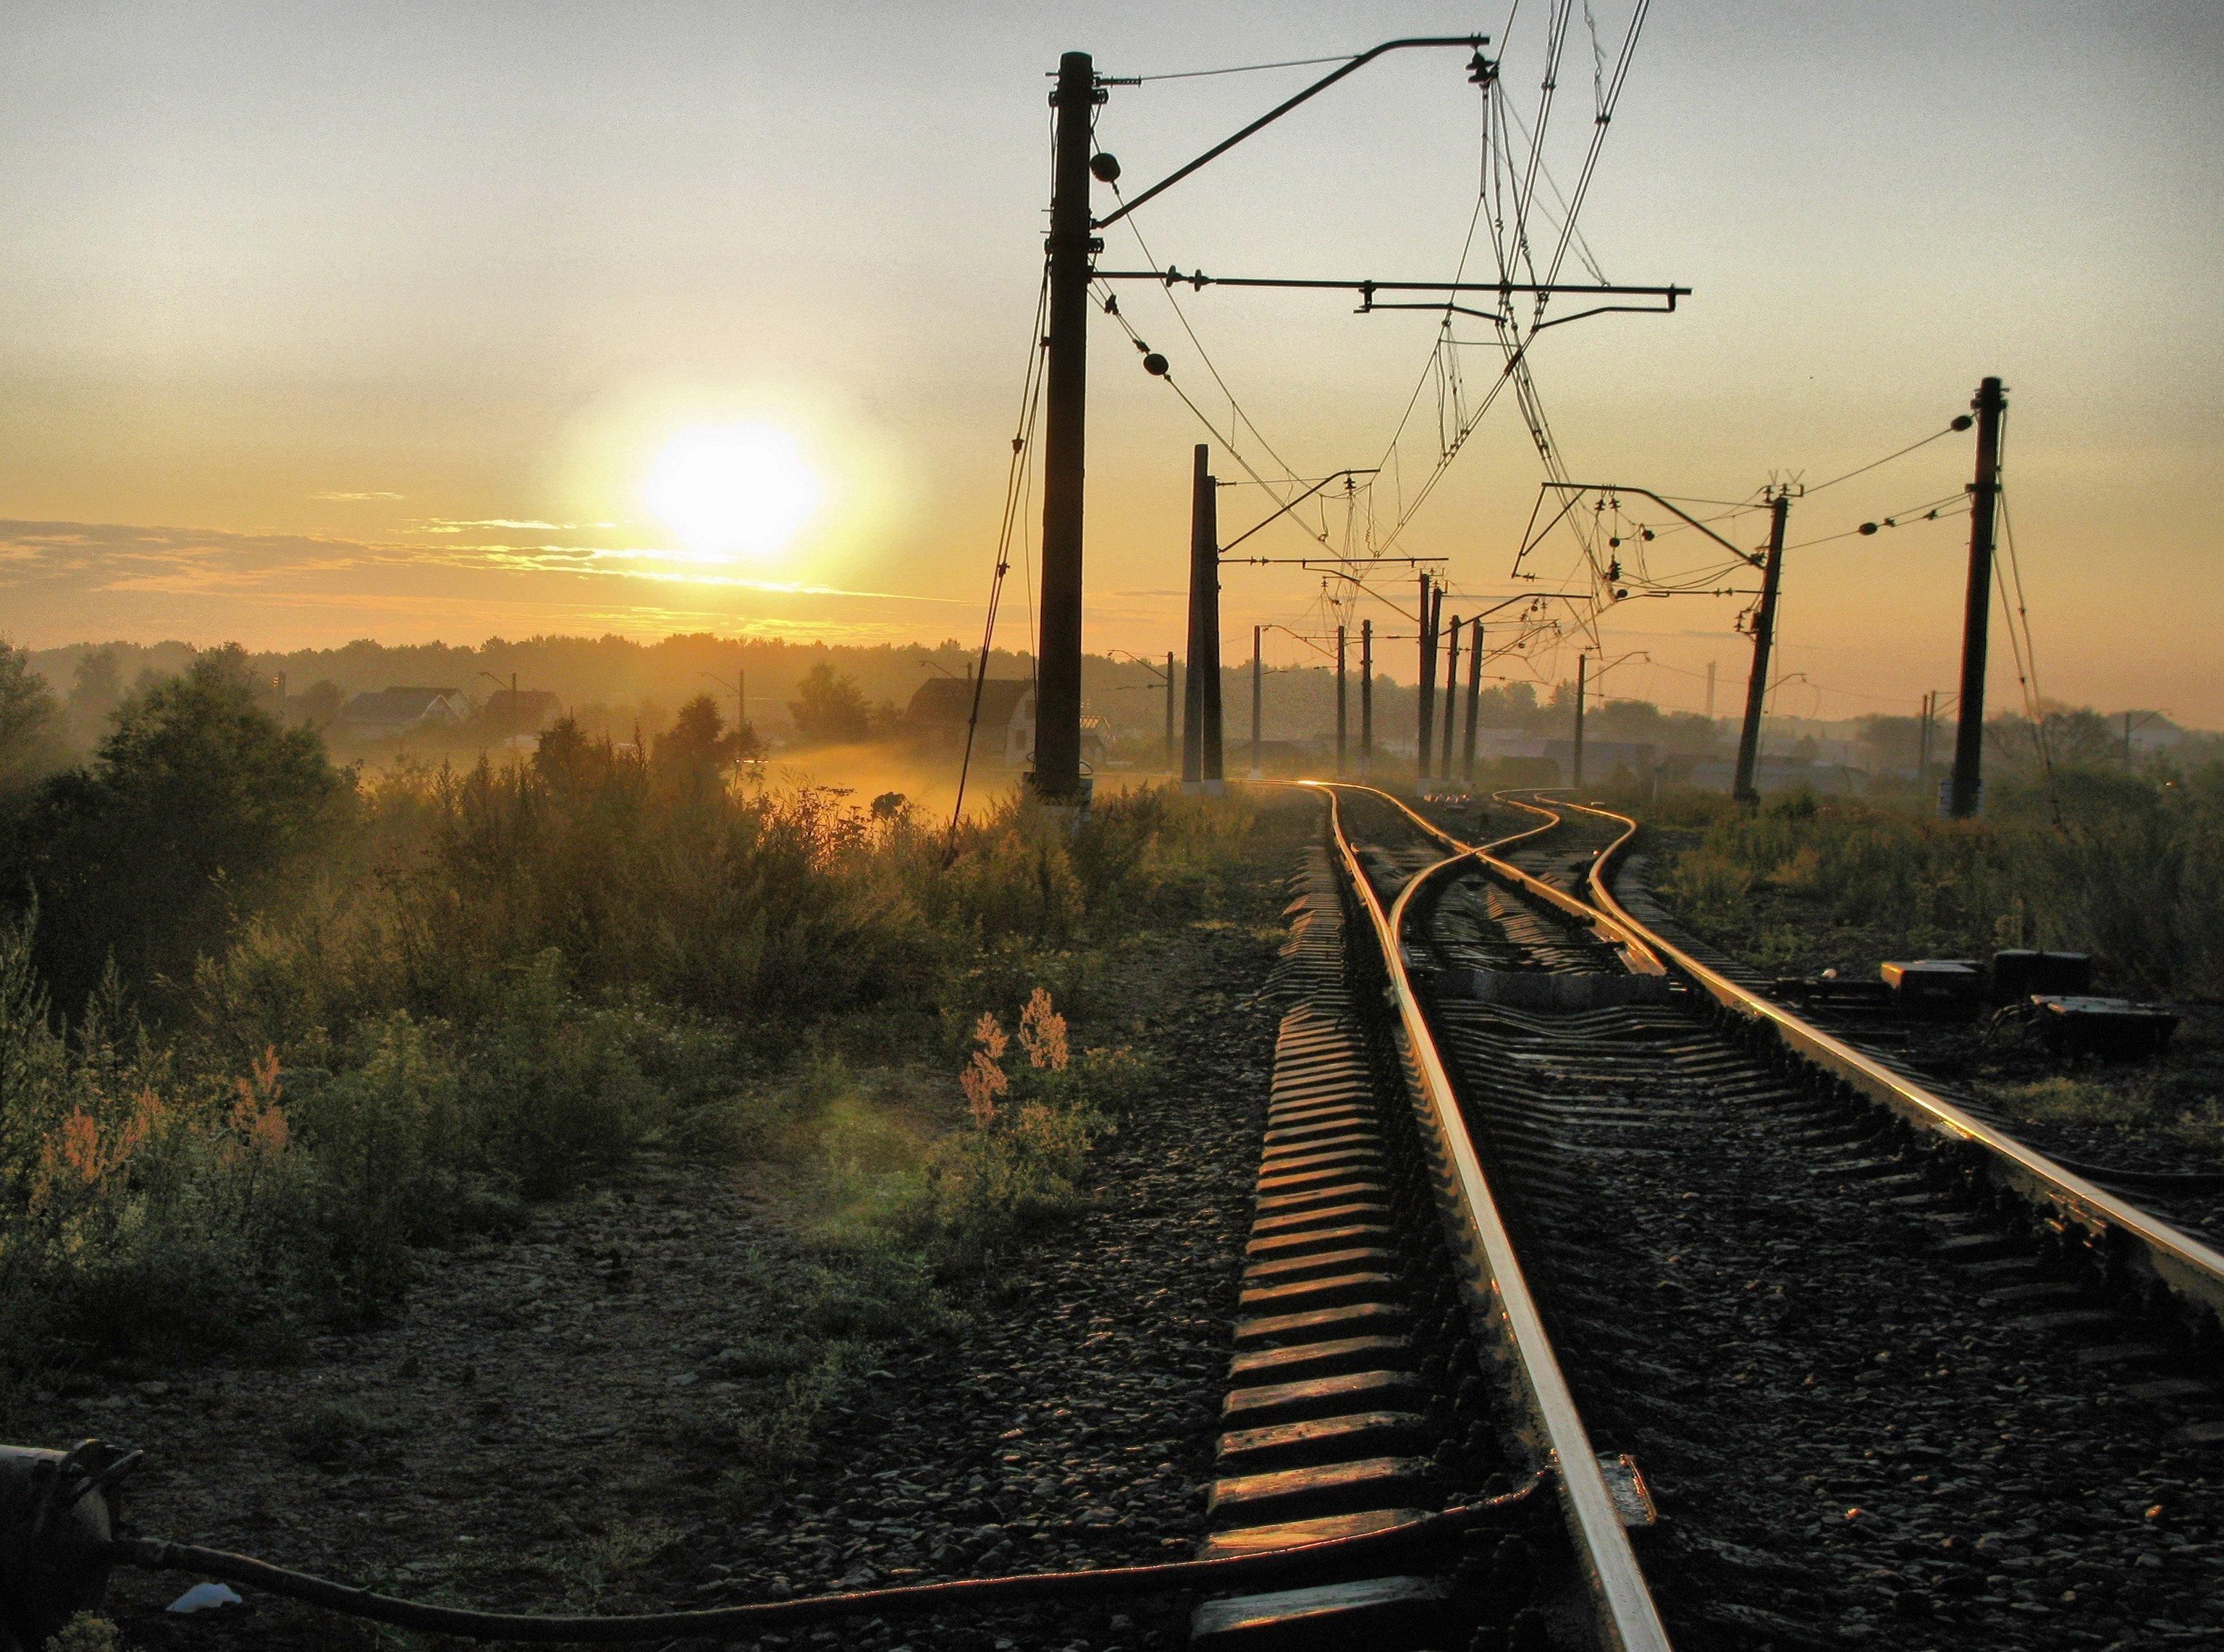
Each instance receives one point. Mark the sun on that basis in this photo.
(733, 490)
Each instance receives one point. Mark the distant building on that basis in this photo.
(939, 712)
(526, 712)
(403, 710)
(1769, 774)
(936, 720)
(1606, 762)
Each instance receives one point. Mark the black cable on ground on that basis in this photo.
(155, 1554)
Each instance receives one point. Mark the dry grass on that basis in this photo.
(506, 981)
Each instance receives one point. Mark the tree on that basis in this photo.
(94, 697)
(1896, 743)
(829, 709)
(698, 744)
(320, 703)
(192, 812)
(30, 725)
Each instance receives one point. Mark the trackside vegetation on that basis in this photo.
(268, 1026)
(2132, 871)
(2128, 867)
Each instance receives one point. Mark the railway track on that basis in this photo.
(1815, 1356)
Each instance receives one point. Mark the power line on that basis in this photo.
(1958, 424)
(1240, 68)
(1235, 408)
(1017, 491)
(1932, 511)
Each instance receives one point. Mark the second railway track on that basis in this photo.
(1878, 1381)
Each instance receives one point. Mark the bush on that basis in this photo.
(1020, 1166)
(196, 811)
(136, 1209)
(487, 985)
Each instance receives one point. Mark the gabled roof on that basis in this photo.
(947, 701)
(396, 705)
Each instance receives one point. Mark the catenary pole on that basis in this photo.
(1451, 690)
(1984, 494)
(1922, 746)
(1065, 396)
(1204, 578)
(1424, 705)
(1764, 636)
(1581, 662)
(1257, 675)
(1340, 702)
(1173, 757)
(1474, 700)
(1208, 559)
(1367, 697)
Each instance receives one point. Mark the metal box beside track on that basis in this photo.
(2114, 1029)
(1947, 989)
(2019, 973)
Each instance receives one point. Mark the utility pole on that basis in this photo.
(1764, 637)
(1367, 697)
(1065, 393)
(281, 712)
(1582, 689)
(1923, 744)
(1984, 494)
(1710, 690)
(1256, 674)
(1425, 704)
(1201, 744)
(1474, 700)
(1172, 757)
(1339, 703)
(1452, 687)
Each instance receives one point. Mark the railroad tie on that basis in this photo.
(1327, 1425)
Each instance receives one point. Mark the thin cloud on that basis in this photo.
(65, 581)
(351, 499)
(452, 525)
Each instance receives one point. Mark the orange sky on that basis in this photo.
(372, 321)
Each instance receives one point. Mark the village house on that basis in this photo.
(403, 710)
(936, 716)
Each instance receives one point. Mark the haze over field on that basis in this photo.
(418, 322)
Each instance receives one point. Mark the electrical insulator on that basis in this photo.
(1868, 527)
(1963, 421)
(1105, 168)
(1647, 534)
(1155, 365)
(1615, 544)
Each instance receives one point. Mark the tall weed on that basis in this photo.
(2133, 870)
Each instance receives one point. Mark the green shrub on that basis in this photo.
(391, 1143)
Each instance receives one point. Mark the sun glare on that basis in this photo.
(733, 490)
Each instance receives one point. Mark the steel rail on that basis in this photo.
(1622, 936)
(2176, 1262)
(1627, 1618)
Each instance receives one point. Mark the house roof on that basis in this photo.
(395, 705)
(947, 701)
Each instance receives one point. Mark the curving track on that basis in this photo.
(1887, 1374)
